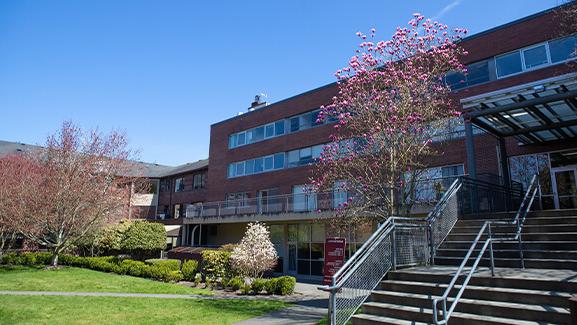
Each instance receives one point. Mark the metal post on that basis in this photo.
(332, 305)
(490, 239)
(394, 247)
(521, 251)
(431, 243)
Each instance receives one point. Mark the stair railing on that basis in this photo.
(487, 244)
(520, 216)
(398, 241)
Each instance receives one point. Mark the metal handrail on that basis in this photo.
(488, 243)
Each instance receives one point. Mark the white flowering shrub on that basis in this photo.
(255, 253)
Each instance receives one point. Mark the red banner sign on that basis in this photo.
(334, 257)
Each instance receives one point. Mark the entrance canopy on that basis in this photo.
(533, 113)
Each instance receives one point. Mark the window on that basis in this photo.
(478, 73)
(508, 64)
(240, 139)
(268, 163)
(249, 167)
(240, 168)
(535, 57)
(258, 165)
(317, 151)
(148, 187)
(295, 124)
(237, 199)
(165, 185)
(179, 185)
(279, 128)
(269, 131)
(199, 181)
(339, 194)
(303, 200)
(279, 161)
(563, 49)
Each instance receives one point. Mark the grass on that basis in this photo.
(73, 279)
(114, 310)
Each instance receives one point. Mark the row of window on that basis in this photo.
(281, 160)
(198, 182)
(526, 59)
(275, 129)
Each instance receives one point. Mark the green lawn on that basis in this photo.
(113, 310)
(82, 280)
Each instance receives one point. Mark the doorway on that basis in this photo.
(565, 187)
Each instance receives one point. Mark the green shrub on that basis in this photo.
(143, 237)
(245, 289)
(258, 285)
(189, 269)
(197, 279)
(270, 286)
(170, 263)
(285, 285)
(235, 283)
(12, 259)
(135, 268)
(164, 273)
(109, 238)
(216, 263)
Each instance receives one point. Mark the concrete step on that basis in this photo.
(512, 253)
(512, 245)
(525, 282)
(512, 262)
(458, 318)
(515, 311)
(528, 221)
(523, 296)
(499, 229)
(425, 315)
(557, 236)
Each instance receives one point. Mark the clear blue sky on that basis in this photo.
(164, 71)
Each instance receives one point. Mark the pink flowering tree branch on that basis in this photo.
(391, 106)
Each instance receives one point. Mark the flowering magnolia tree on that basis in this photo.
(391, 106)
(255, 253)
(75, 185)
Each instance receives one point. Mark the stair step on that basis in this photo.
(424, 315)
(484, 307)
(511, 253)
(513, 229)
(558, 236)
(367, 319)
(527, 245)
(512, 262)
(528, 221)
(523, 283)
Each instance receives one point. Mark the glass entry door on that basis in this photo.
(565, 186)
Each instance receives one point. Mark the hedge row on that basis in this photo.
(163, 271)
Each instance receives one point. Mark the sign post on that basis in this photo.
(334, 257)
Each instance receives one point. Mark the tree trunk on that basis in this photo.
(54, 260)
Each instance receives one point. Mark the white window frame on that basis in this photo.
(523, 50)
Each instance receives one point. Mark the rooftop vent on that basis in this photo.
(259, 102)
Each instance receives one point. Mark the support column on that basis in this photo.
(504, 163)
(471, 163)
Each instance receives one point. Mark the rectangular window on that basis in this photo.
(231, 170)
(279, 161)
(258, 165)
(508, 64)
(535, 57)
(199, 181)
(258, 134)
(317, 151)
(563, 49)
(478, 73)
(269, 131)
(179, 185)
(294, 124)
(455, 80)
(239, 168)
(279, 128)
(232, 141)
(315, 117)
(241, 139)
(249, 167)
(293, 158)
(268, 163)
(165, 185)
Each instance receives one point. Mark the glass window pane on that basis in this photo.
(294, 122)
(317, 250)
(306, 153)
(240, 168)
(478, 73)
(315, 117)
(292, 233)
(232, 141)
(293, 158)
(249, 167)
(304, 234)
(318, 232)
(279, 161)
(316, 268)
(268, 163)
(240, 139)
(317, 150)
(304, 250)
(231, 170)
(535, 57)
(563, 49)
(305, 121)
(279, 128)
(258, 165)
(508, 64)
(269, 131)
(304, 267)
(258, 133)
(455, 80)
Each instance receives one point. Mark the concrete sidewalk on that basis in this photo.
(310, 307)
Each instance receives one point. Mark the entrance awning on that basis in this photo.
(533, 113)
